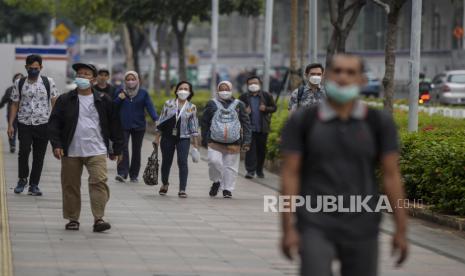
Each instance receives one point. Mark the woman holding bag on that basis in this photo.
(177, 125)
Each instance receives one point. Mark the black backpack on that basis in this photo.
(300, 94)
(44, 80)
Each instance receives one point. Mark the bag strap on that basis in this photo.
(218, 104)
(300, 94)
(20, 86)
(233, 105)
(373, 119)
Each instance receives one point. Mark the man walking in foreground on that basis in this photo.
(33, 98)
(333, 150)
(81, 127)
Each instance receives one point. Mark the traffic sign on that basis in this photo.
(61, 33)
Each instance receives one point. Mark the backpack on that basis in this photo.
(372, 119)
(300, 94)
(44, 80)
(225, 127)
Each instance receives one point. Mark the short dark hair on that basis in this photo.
(314, 65)
(33, 58)
(190, 89)
(16, 75)
(253, 77)
(359, 58)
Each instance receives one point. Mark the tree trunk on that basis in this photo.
(157, 58)
(133, 36)
(180, 38)
(295, 79)
(128, 48)
(168, 63)
(304, 36)
(390, 59)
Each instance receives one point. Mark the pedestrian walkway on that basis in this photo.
(154, 235)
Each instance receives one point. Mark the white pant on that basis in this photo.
(223, 168)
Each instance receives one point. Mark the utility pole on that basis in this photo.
(415, 48)
(110, 53)
(313, 31)
(152, 38)
(214, 46)
(268, 42)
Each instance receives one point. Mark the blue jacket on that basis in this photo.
(132, 111)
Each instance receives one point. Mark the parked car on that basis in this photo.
(449, 87)
(373, 86)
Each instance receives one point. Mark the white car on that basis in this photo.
(449, 87)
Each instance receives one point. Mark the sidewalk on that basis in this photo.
(154, 235)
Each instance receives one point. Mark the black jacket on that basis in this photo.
(110, 90)
(267, 99)
(64, 118)
(209, 112)
(6, 99)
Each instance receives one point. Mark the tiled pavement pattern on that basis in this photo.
(154, 235)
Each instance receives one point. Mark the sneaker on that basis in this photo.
(249, 175)
(227, 194)
(163, 190)
(34, 190)
(182, 194)
(134, 180)
(100, 225)
(260, 175)
(12, 149)
(22, 182)
(120, 178)
(214, 189)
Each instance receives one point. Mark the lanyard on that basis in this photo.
(180, 111)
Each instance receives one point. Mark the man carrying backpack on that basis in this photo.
(227, 131)
(311, 92)
(33, 99)
(332, 151)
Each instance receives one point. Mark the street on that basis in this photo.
(154, 235)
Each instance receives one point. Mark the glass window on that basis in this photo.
(457, 78)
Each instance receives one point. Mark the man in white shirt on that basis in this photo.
(81, 127)
(32, 99)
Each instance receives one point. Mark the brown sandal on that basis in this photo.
(72, 225)
(163, 189)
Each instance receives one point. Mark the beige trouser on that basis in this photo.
(71, 172)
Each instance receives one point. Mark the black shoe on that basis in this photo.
(22, 182)
(12, 149)
(249, 175)
(34, 190)
(260, 175)
(100, 225)
(227, 194)
(120, 178)
(214, 189)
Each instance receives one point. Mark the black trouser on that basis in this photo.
(137, 137)
(255, 157)
(168, 145)
(37, 138)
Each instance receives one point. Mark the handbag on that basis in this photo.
(151, 170)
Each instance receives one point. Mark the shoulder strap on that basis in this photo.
(218, 104)
(300, 93)
(20, 86)
(234, 104)
(47, 85)
(373, 119)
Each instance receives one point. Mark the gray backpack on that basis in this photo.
(225, 127)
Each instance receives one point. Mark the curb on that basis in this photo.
(6, 267)
(457, 223)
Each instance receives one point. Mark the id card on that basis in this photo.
(175, 132)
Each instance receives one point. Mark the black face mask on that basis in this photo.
(33, 72)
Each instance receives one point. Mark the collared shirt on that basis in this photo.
(256, 114)
(188, 122)
(339, 158)
(309, 98)
(88, 139)
(35, 107)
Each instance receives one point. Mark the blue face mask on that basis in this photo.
(341, 94)
(33, 72)
(82, 83)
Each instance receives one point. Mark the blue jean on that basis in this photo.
(137, 137)
(168, 145)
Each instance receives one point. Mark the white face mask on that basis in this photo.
(315, 80)
(183, 94)
(225, 95)
(254, 88)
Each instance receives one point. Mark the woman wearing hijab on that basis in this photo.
(177, 125)
(132, 102)
(226, 132)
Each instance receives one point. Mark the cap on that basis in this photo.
(78, 66)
